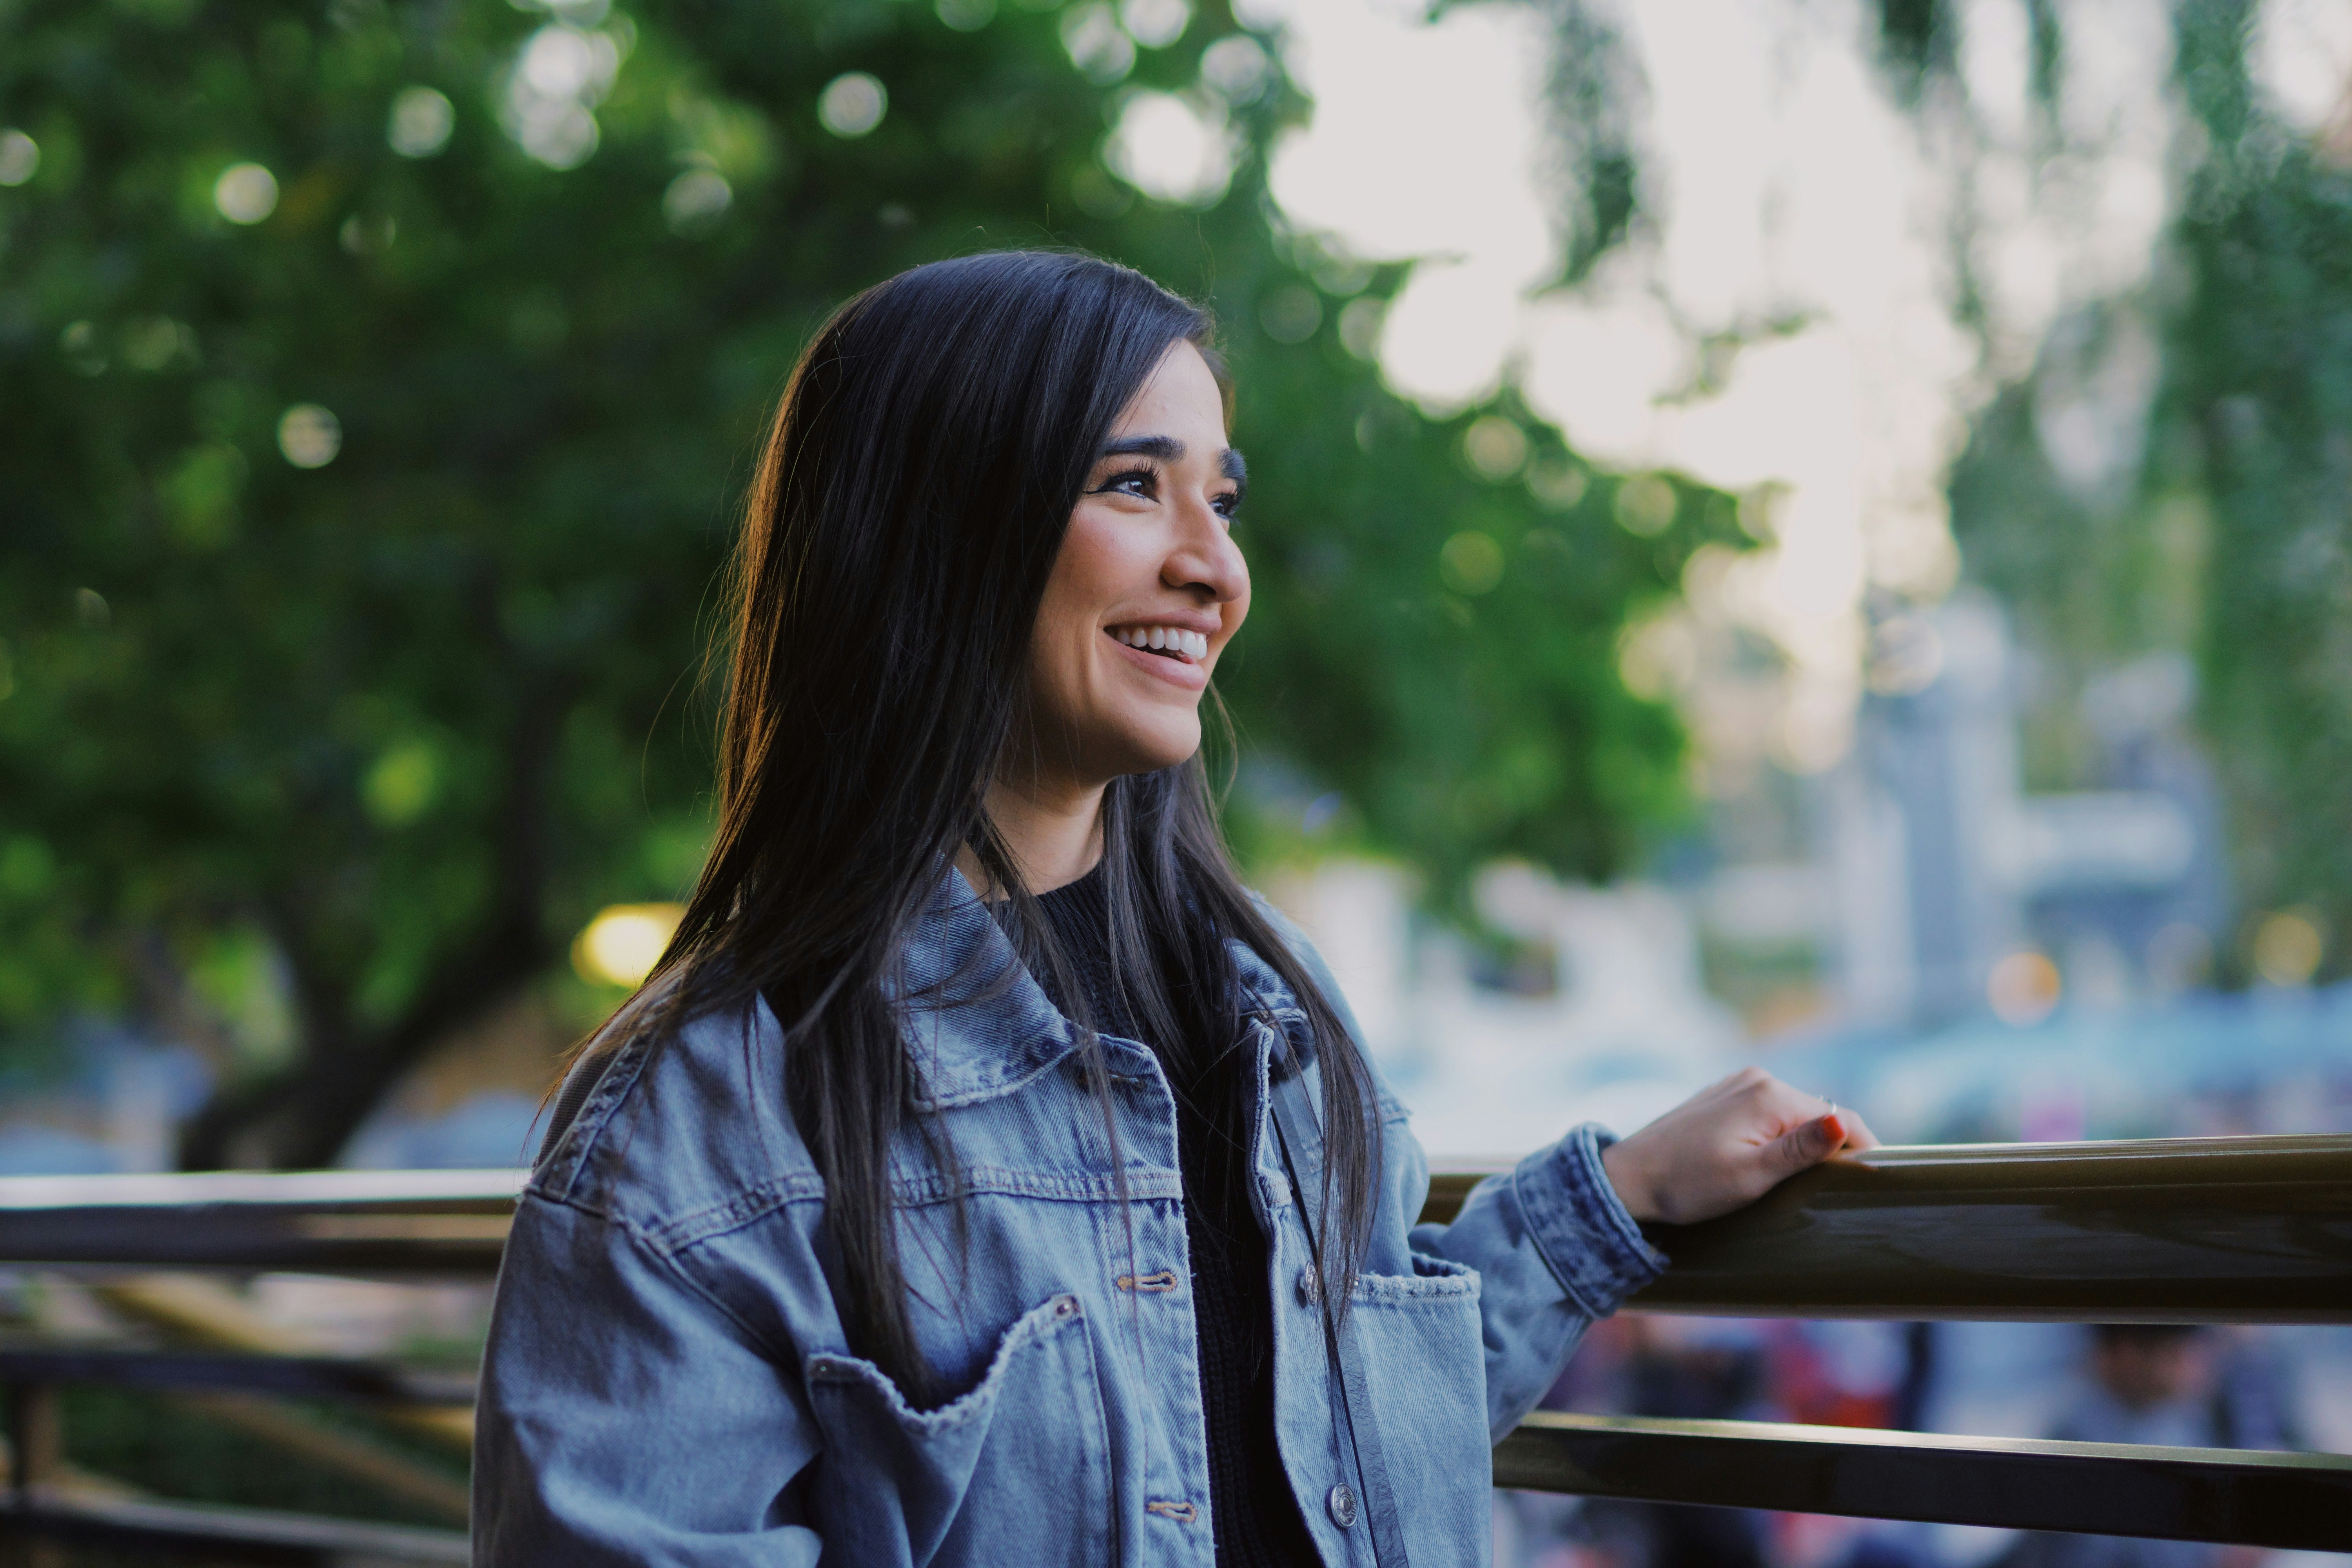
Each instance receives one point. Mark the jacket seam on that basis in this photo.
(614, 1081)
(671, 1263)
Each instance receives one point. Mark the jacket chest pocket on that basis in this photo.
(1017, 1471)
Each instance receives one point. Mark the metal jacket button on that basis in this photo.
(1310, 1285)
(1342, 1504)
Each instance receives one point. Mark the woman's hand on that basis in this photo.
(1726, 1146)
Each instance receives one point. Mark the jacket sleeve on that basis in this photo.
(624, 1418)
(1553, 1244)
(1555, 1251)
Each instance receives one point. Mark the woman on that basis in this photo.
(984, 1176)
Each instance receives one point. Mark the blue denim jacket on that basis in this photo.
(667, 1380)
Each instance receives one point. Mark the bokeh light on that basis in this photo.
(20, 156)
(1290, 313)
(1359, 327)
(1656, 657)
(623, 943)
(1645, 505)
(401, 784)
(1496, 447)
(246, 193)
(1155, 24)
(1172, 149)
(966, 15)
(154, 343)
(1236, 67)
(78, 343)
(560, 74)
(1097, 44)
(309, 435)
(853, 104)
(1558, 482)
(2288, 946)
(1470, 563)
(421, 121)
(695, 200)
(2023, 989)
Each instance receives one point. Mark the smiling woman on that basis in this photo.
(940, 1173)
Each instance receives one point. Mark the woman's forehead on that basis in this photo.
(1179, 399)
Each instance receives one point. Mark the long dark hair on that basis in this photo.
(916, 484)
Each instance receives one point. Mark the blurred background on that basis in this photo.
(1806, 531)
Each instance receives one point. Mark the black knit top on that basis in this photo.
(1254, 1516)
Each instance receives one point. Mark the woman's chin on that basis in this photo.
(1148, 748)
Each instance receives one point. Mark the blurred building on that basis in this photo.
(1598, 1013)
(1956, 891)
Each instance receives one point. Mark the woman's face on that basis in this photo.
(1146, 591)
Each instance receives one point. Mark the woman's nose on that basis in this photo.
(1205, 557)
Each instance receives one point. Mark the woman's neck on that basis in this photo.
(1054, 833)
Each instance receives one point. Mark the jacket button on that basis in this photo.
(1064, 1305)
(1310, 1285)
(1342, 1504)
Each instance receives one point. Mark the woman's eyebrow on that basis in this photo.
(1167, 449)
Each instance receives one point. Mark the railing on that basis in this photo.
(2181, 1231)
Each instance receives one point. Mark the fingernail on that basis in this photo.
(1832, 1128)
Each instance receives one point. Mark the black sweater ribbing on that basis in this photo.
(1252, 1511)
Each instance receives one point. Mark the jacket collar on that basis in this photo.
(980, 1026)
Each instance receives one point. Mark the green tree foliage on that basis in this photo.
(376, 384)
(2256, 414)
(2234, 539)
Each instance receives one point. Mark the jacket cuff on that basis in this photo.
(1580, 1225)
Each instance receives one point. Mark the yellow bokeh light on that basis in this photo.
(2023, 989)
(623, 943)
(2288, 947)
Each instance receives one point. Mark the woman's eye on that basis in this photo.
(1139, 482)
(1228, 504)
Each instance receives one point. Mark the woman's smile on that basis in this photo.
(1164, 651)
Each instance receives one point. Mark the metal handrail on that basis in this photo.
(2298, 1501)
(2162, 1230)
(2168, 1230)
(329, 1222)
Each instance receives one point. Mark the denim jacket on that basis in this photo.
(667, 1380)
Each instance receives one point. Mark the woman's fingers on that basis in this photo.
(1858, 1135)
(1728, 1146)
(1807, 1144)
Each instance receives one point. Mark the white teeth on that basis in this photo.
(1191, 644)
